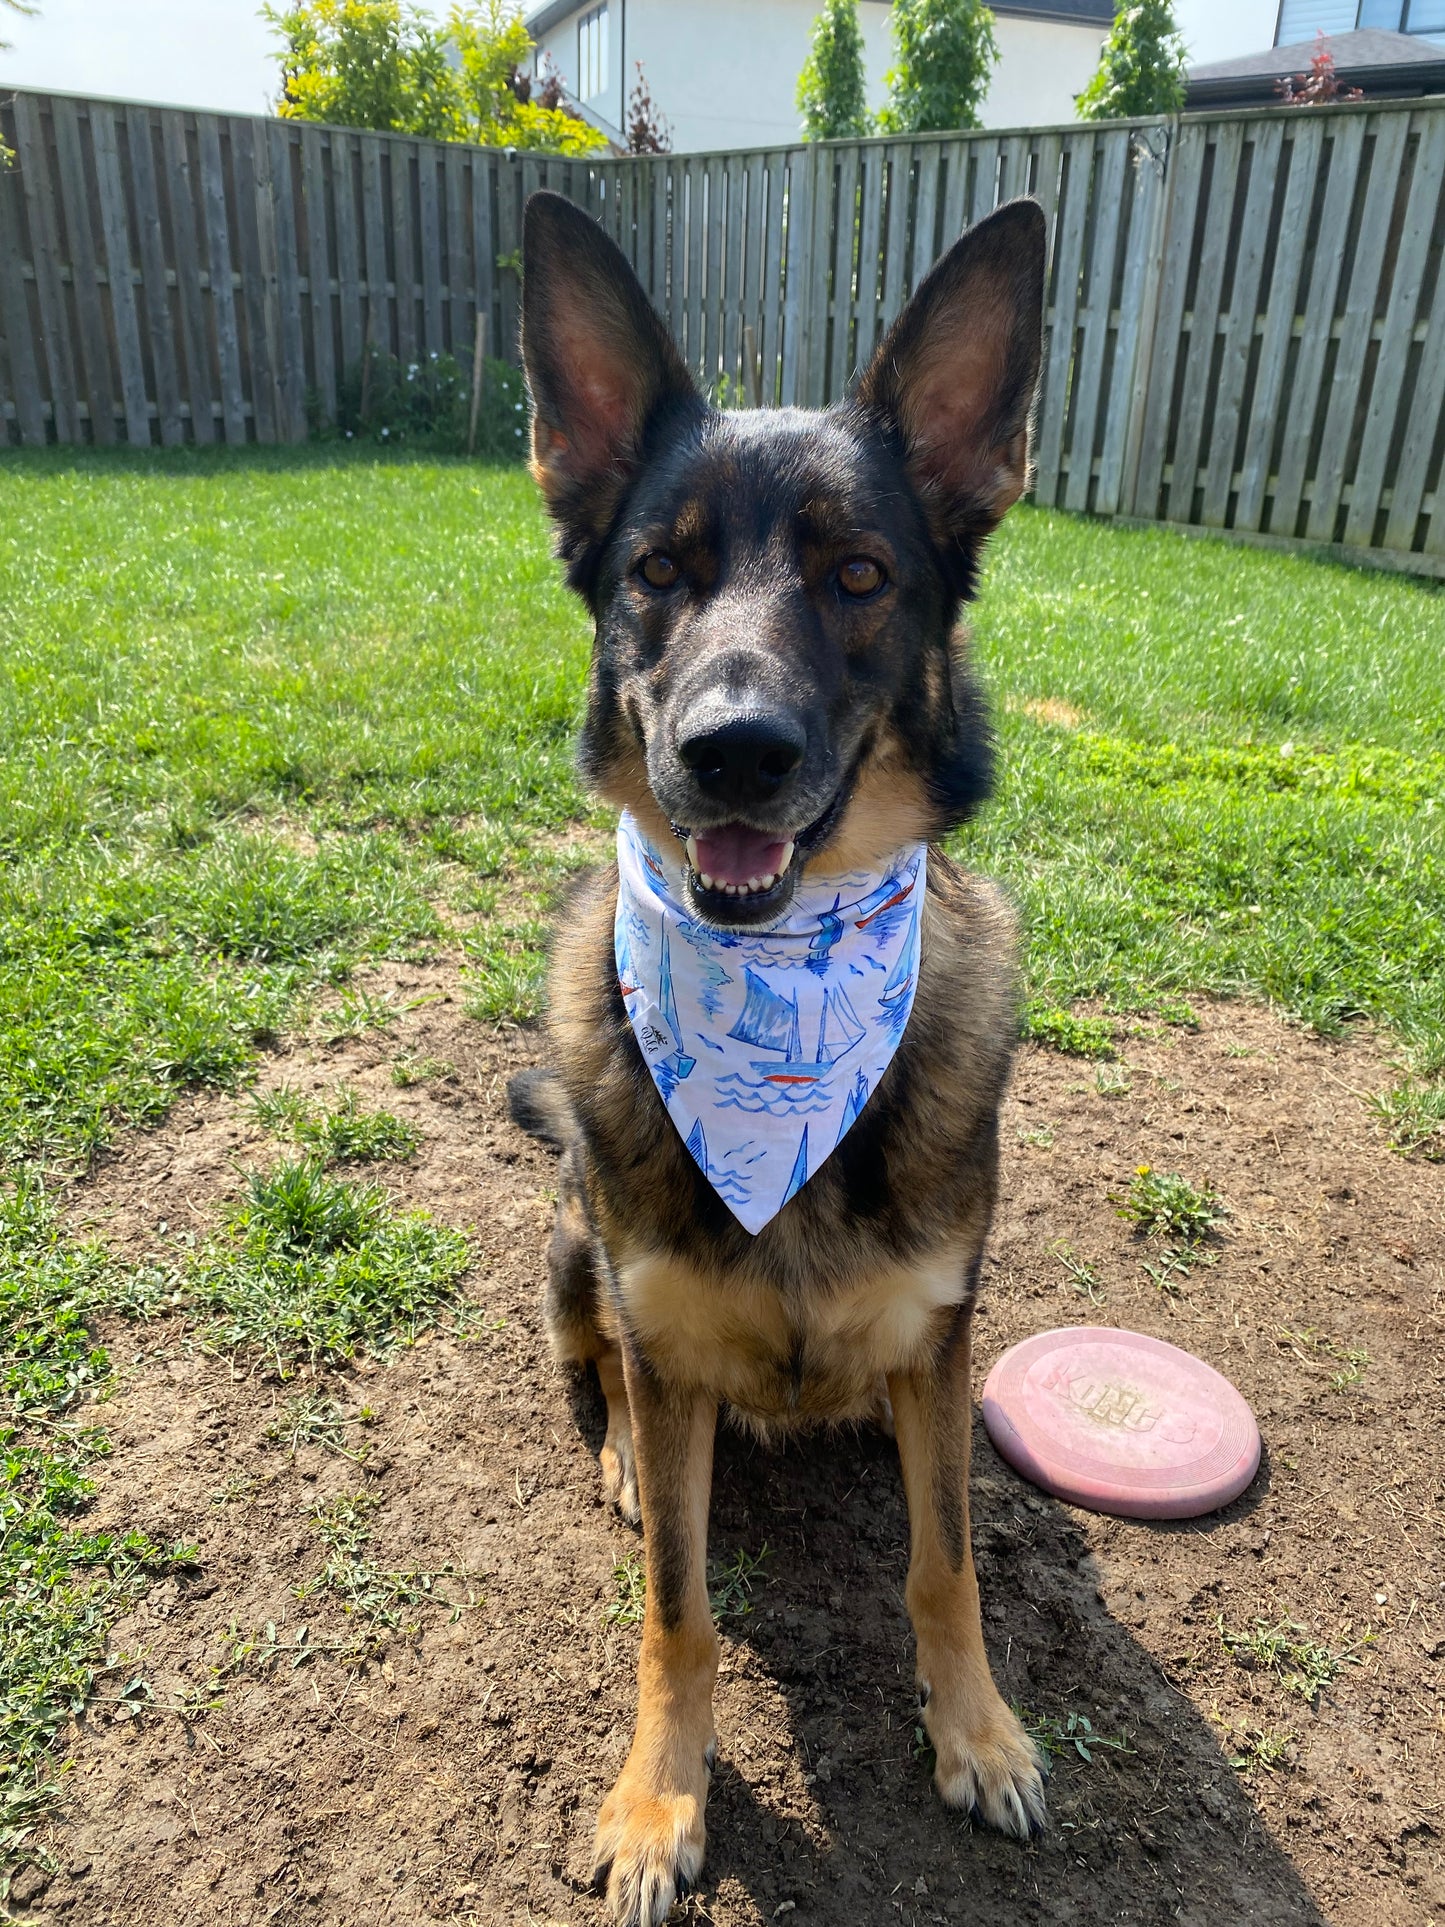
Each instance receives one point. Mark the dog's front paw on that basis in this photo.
(987, 1765)
(649, 1848)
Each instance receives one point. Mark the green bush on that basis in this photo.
(427, 404)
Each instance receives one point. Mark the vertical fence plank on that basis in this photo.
(484, 173)
(1238, 325)
(1397, 334)
(24, 382)
(223, 297)
(1063, 320)
(115, 231)
(898, 156)
(1282, 298)
(187, 200)
(845, 240)
(345, 170)
(459, 275)
(1186, 169)
(1144, 191)
(150, 238)
(292, 323)
(54, 345)
(801, 167)
(378, 334)
(1204, 320)
(252, 206)
(97, 387)
(402, 154)
(732, 289)
(770, 326)
(320, 326)
(1095, 313)
(429, 162)
(870, 248)
(1303, 399)
(1360, 302)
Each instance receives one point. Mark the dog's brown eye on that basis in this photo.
(659, 571)
(860, 576)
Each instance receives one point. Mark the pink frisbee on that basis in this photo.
(1121, 1423)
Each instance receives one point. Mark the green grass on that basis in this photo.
(61, 1586)
(265, 714)
(342, 1133)
(308, 1266)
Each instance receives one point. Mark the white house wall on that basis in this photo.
(726, 73)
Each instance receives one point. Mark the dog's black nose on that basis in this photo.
(741, 758)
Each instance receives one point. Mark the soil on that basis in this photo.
(455, 1776)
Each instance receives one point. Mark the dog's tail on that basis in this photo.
(537, 1104)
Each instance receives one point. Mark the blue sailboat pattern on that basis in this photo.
(766, 1064)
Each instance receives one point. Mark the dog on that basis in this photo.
(779, 699)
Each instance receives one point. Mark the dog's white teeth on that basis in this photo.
(786, 858)
(705, 880)
(692, 851)
(767, 882)
(754, 885)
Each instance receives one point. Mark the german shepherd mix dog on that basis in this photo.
(779, 697)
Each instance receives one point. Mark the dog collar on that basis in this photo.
(766, 1044)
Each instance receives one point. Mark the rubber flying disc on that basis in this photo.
(1121, 1423)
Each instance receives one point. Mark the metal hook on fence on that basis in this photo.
(1151, 144)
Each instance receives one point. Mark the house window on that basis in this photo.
(592, 53)
(1299, 20)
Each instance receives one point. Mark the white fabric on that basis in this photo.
(765, 1044)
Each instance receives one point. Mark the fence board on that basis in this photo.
(1396, 336)
(150, 239)
(1283, 298)
(183, 187)
(54, 344)
(1238, 325)
(1068, 265)
(1193, 416)
(1361, 300)
(115, 236)
(1304, 393)
(320, 329)
(1094, 317)
(1186, 164)
(97, 389)
(23, 365)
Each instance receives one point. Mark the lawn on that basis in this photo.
(266, 715)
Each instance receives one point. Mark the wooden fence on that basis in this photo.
(1246, 312)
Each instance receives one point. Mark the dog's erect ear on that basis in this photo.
(600, 365)
(956, 374)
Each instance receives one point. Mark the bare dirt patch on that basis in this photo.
(455, 1774)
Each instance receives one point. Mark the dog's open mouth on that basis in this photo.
(736, 874)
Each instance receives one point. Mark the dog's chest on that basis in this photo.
(816, 1353)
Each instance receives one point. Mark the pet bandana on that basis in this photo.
(765, 1044)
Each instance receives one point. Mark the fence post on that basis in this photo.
(1153, 237)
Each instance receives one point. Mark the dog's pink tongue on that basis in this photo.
(736, 854)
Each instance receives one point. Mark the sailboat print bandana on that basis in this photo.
(765, 1044)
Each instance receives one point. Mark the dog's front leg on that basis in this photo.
(986, 1762)
(650, 1832)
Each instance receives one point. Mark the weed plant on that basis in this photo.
(1303, 1665)
(342, 1133)
(313, 1267)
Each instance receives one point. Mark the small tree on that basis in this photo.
(1141, 68)
(945, 56)
(1320, 85)
(385, 64)
(647, 128)
(832, 88)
